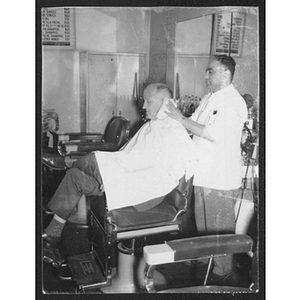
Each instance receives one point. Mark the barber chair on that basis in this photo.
(157, 234)
(68, 147)
(128, 230)
(55, 163)
(78, 144)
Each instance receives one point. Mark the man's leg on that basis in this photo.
(75, 184)
(79, 180)
(88, 164)
(214, 214)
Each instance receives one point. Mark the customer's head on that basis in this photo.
(154, 95)
(219, 72)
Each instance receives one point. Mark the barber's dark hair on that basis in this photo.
(162, 87)
(227, 61)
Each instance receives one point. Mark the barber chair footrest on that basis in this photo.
(86, 271)
(52, 256)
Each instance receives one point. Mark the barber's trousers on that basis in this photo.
(214, 214)
(83, 178)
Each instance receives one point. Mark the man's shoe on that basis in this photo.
(54, 241)
(48, 211)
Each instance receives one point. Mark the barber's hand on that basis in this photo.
(173, 112)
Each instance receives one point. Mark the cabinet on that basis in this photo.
(109, 84)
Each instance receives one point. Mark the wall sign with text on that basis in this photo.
(58, 27)
(228, 33)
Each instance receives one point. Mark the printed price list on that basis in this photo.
(56, 26)
(225, 29)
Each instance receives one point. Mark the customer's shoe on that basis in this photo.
(54, 241)
(48, 211)
(230, 279)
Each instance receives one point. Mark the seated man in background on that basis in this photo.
(149, 166)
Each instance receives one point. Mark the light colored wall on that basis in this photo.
(112, 30)
(121, 29)
(133, 30)
(61, 87)
(247, 71)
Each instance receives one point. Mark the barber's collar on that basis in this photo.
(223, 91)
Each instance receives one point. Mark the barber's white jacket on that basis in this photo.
(218, 163)
(150, 165)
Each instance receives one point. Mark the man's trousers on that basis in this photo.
(83, 178)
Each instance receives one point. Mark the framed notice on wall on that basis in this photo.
(58, 27)
(228, 33)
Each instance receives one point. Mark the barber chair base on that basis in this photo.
(129, 277)
(123, 281)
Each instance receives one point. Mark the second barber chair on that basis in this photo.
(67, 148)
(77, 144)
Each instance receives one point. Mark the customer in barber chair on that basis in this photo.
(148, 167)
(217, 127)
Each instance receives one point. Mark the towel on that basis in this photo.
(150, 165)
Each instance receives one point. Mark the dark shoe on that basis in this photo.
(231, 279)
(54, 241)
(48, 211)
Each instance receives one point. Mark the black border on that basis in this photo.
(261, 213)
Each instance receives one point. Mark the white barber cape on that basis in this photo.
(150, 165)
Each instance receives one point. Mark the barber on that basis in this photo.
(216, 126)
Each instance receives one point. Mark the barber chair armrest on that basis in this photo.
(82, 148)
(178, 198)
(187, 249)
(197, 247)
(80, 137)
(78, 144)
